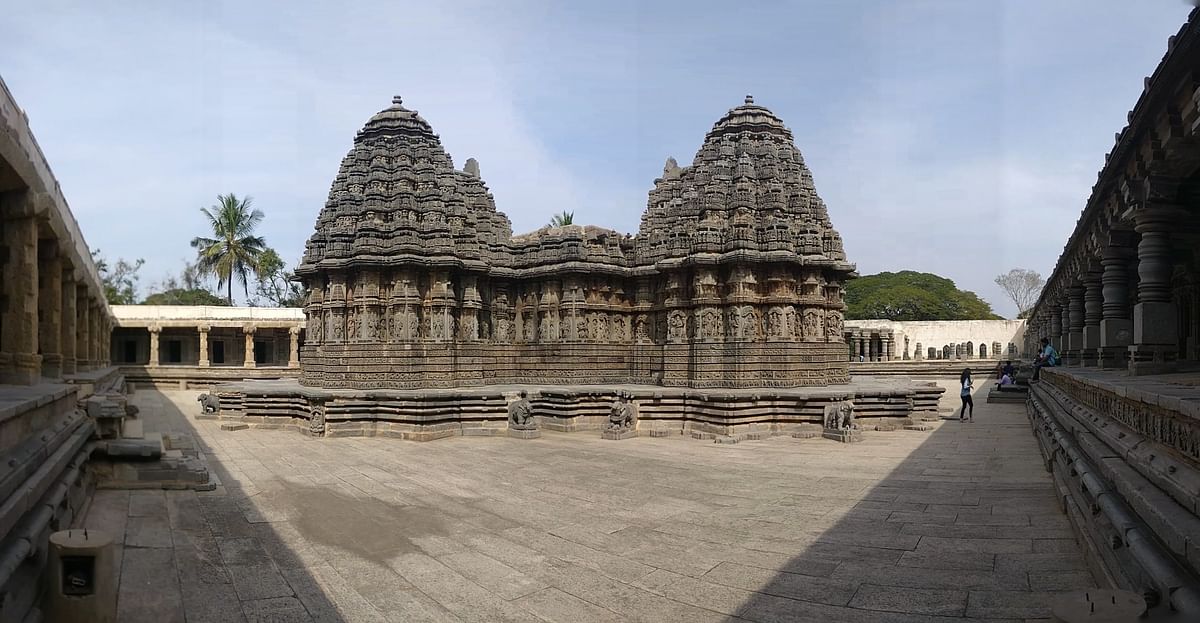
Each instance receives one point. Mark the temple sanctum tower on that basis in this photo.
(415, 279)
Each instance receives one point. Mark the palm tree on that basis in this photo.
(564, 218)
(233, 251)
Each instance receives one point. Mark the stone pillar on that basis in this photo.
(69, 323)
(203, 345)
(1116, 329)
(1056, 326)
(155, 356)
(19, 317)
(83, 326)
(918, 355)
(1093, 305)
(1155, 318)
(1073, 324)
(248, 331)
(50, 308)
(294, 357)
(96, 315)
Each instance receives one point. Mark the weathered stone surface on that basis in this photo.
(415, 279)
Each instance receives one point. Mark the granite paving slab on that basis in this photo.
(947, 525)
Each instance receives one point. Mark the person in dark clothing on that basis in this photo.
(1009, 370)
(964, 381)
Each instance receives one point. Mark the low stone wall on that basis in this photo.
(44, 485)
(980, 369)
(907, 335)
(185, 377)
(1125, 454)
(432, 414)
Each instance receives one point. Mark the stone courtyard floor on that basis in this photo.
(956, 523)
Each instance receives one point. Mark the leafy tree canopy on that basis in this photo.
(909, 295)
(563, 218)
(277, 286)
(233, 253)
(120, 279)
(186, 289)
(185, 296)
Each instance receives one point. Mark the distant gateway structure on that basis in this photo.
(734, 279)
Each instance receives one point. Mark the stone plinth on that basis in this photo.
(524, 433)
(619, 434)
(845, 435)
(432, 414)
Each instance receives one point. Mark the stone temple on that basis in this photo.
(426, 316)
(733, 280)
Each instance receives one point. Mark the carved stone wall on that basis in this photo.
(415, 279)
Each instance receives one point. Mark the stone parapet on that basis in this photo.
(1125, 453)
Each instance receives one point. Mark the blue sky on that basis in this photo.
(950, 136)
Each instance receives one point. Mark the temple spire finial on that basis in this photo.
(749, 99)
(397, 100)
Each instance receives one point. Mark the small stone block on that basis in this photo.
(804, 434)
(756, 436)
(917, 426)
(844, 436)
(699, 435)
(234, 426)
(885, 427)
(618, 435)
(725, 439)
(660, 432)
(132, 429)
(517, 433)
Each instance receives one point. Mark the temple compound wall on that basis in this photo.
(907, 340)
(415, 279)
(197, 346)
(54, 324)
(1119, 422)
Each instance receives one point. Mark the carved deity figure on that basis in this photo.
(775, 323)
(812, 325)
(621, 416)
(677, 325)
(316, 422)
(469, 327)
(621, 328)
(833, 325)
(520, 414)
(789, 314)
(641, 331)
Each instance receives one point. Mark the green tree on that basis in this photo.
(184, 296)
(562, 218)
(120, 279)
(909, 295)
(1023, 287)
(187, 289)
(234, 251)
(277, 286)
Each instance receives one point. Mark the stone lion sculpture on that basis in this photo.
(520, 413)
(839, 415)
(621, 416)
(209, 403)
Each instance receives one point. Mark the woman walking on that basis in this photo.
(964, 381)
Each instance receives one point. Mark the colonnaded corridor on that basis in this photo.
(956, 523)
